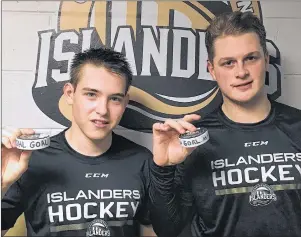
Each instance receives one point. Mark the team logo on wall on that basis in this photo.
(164, 42)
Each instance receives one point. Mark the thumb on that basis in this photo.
(188, 150)
(24, 160)
(191, 117)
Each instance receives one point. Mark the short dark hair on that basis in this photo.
(107, 58)
(234, 23)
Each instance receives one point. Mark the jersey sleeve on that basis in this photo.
(288, 121)
(143, 213)
(12, 206)
(171, 198)
(18, 197)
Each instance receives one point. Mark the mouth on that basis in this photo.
(100, 123)
(243, 84)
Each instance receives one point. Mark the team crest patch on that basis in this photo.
(262, 195)
(98, 228)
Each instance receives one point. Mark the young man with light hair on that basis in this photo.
(245, 180)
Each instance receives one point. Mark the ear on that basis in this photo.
(211, 69)
(69, 93)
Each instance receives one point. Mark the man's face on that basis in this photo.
(98, 102)
(239, 67)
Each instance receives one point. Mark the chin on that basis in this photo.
(97, 135)
(244, 98)
(239, 99)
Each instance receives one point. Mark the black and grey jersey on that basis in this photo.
(64, 193)
(245, 181)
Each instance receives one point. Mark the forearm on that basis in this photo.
(170, 208)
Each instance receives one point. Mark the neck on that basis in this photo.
(251, 112)
(84, 145)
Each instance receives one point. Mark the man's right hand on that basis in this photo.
(14, 161)
(167, 149)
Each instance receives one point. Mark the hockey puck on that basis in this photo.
(33, 142)
(193, 139)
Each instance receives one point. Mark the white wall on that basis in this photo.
(20, 23)
(282, 20)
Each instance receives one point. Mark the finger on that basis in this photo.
(6, 142)
(191, 117)
(24, 159)
(166, 127)
(27, 131)
(7, 132)
(189, 150)
(188, 126)
(156, 126)
(14, 136)
(161, 127)
(175, 125)
(19, 132)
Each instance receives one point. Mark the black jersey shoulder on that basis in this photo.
(288, 121)
(127, 147)
(286, 114)
(210, 120)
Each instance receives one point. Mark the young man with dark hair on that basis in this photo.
(89, 181)
(245, 180)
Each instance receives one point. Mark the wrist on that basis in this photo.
(162, 167)
(162, 176)
(4, 189)
(160, 164)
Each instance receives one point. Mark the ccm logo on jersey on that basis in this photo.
(96, 175)
(258, 143)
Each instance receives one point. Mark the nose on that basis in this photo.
(102, 107)
(241, 71)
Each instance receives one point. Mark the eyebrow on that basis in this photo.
(97, 91)
(232, 58)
